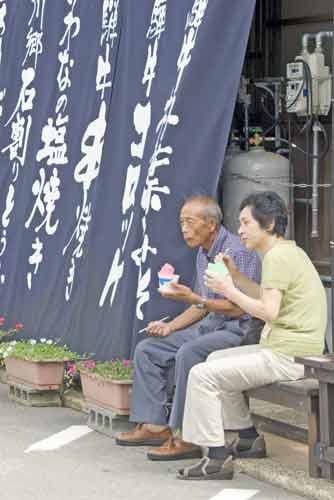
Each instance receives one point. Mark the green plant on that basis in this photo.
(116, 369)
(41, 350)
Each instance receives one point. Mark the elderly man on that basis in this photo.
(210, 323)
(292, 302)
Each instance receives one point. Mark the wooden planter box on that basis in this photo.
(40, 375)
(114, 395)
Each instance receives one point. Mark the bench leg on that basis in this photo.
(326, 392)
(313, 436)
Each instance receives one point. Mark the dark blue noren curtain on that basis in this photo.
(112, 112)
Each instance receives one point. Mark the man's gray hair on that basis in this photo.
(211, 209)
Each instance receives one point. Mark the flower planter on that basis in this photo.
(114, 395)
(41, 375)
(3, 375)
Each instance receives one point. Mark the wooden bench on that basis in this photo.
(301, 395)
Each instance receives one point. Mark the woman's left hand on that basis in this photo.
(219, 284)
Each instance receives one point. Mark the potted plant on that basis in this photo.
(107, 384)
(38, 364)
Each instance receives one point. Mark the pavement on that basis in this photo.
(287, 462)
(51, 453)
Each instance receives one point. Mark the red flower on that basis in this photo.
(18, 326)
(2, 320)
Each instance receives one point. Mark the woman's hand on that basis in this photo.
(228, 261)
(219, 284)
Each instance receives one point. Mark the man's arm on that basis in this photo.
(183, 320)
(221, 306)
(190, 316)
(185, 294)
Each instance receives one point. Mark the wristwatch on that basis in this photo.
(202, 304)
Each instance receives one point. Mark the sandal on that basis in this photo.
(249, 448)
(208, 468)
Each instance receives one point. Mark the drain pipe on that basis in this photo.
(316, 129)
(331, 217)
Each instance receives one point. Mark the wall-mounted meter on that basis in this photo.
(298, 95)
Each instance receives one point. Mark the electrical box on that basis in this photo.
(298, 94)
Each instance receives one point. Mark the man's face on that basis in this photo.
(197, 230)
(251, 234)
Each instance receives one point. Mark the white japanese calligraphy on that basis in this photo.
(54, 149)
(151, 196)
(141, 125)
(88, 168)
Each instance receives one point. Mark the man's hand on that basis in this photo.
(228, 261)
(221, 285)
(158, 329)
(179, 292)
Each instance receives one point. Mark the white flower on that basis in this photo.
(13, 342)
(43, 341)
(33, 341)
(49, 341)
(7, 352)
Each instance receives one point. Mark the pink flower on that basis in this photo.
(72, 369)
(126, 362)
(2, 320)
(19, 326)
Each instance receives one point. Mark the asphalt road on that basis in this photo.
(92, 467)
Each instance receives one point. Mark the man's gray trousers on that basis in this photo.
(155, 359)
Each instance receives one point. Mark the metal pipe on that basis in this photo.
(308, 195)
(291, 178)
(331, 218)
(276, 95)
(319, 37)
(246, 126)
(277, 112)
(304, 201)
(296, 21)
(316, 129)
(305, 39)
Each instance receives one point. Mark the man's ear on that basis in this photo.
(211, 223)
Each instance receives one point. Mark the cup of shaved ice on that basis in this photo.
(166, 276)
(218, 268)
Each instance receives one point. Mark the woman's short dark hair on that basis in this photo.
(268, 207)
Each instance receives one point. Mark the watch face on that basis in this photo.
(201, 305)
